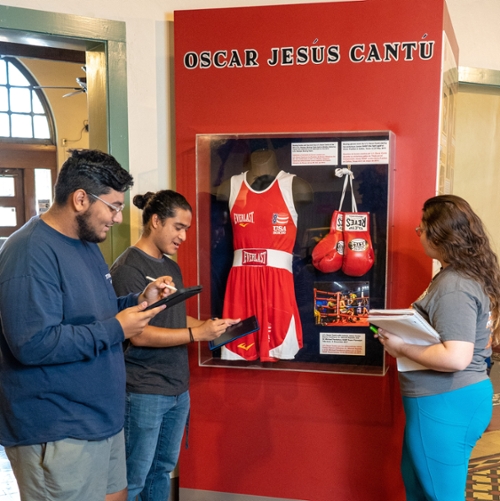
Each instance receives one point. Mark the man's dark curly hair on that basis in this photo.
(93, 171)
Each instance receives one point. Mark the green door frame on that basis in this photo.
(104, 42)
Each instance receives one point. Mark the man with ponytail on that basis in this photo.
(157, 402)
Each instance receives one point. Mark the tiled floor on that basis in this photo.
(484, 467)
(483, 479)
(8, 486)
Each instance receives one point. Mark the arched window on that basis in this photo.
(24, 112)
(28, 153)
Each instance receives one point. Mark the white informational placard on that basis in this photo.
(315, 153)
(337, 343)
(43, 205)
(365, 152)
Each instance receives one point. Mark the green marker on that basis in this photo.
(375, 331)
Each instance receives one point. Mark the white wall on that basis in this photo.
(149, 61)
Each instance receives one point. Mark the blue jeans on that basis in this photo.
(154, 425)
(440, 433)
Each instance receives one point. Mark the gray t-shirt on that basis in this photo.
(458, 308)
(159, 371)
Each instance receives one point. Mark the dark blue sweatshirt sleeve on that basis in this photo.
(36, 330)
(128, 301)
(57, 302)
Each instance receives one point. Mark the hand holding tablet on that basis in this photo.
(235, 331)
(243, 328)
(177, 297)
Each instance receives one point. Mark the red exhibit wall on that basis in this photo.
(296, 435)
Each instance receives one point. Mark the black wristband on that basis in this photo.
(191, 338)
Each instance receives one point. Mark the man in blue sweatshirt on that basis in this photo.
(62, 376)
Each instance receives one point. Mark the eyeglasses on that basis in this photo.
(115, 208)
(419, 231)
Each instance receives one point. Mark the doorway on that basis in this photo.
(477, 155)
(476, 177)
(103, 43)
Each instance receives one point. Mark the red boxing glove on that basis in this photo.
(358, 251)
(328, 253)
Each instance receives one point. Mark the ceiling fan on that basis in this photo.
(81, 81)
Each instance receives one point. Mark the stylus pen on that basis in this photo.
(171, 287)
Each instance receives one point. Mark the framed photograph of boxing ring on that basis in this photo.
(293, 228)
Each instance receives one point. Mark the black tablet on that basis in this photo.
(177, 297)
(235, 331)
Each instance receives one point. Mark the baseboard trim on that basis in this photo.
(199, 495)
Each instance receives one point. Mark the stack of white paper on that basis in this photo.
(409, 325)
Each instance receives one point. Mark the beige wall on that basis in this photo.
(476, 26)
(70, 113)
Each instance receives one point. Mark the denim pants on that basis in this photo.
(441, 431)
(154, 425)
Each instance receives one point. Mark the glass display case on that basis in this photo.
(293, 229)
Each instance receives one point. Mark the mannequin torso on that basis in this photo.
(263, 170)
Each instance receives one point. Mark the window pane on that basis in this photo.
(43, 189)
(8, 216)
(7, 188)
(37, 105)
(20, 103)
(21, 126)
(4, 103)
(3, 72)
(41, 127)
(16, 77)
(4, 125)
(20, 100)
